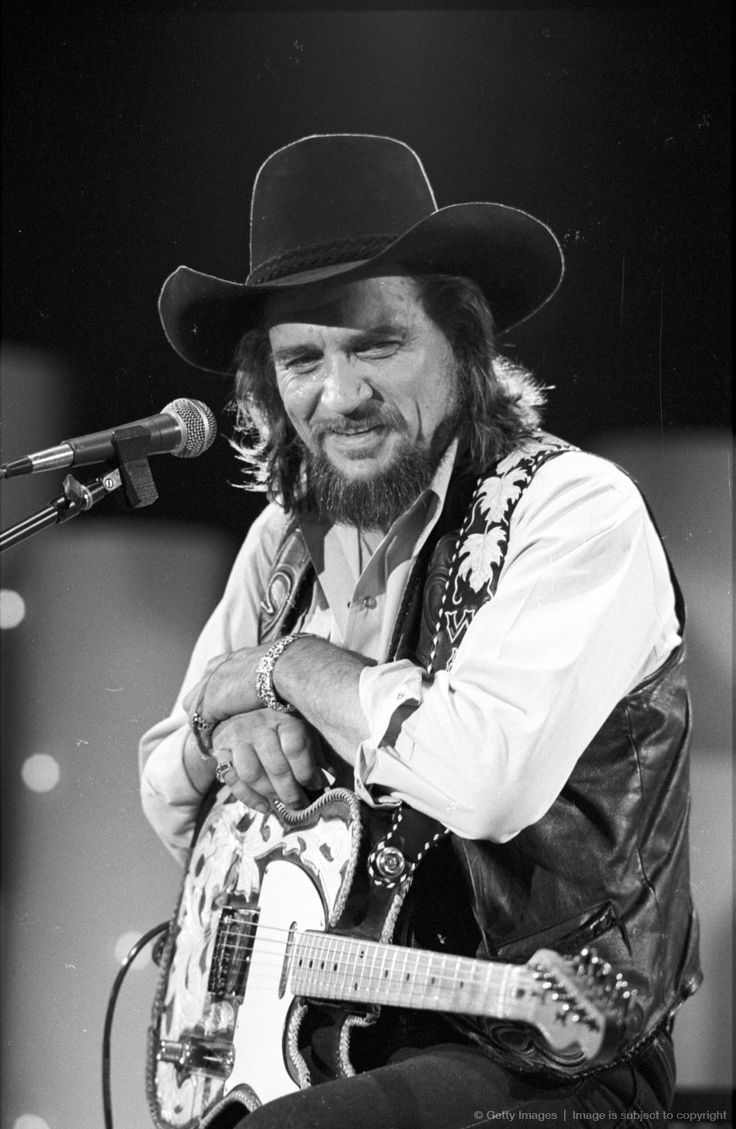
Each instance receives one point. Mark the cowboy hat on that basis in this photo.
(332, 205)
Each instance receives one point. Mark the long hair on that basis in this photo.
(501, 402)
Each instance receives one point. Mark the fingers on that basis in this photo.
(301, 747)
(263, 755)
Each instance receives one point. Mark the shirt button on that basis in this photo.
(370, 602)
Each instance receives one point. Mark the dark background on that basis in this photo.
(131, 137)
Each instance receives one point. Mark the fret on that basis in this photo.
(383, 983)
(405, 978)
(343, 978)
(333, 957)
(373, 979)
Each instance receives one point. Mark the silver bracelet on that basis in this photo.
(264, 673)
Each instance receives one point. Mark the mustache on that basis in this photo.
(388, 418)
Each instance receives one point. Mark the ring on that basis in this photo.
(222, 770)
(201, 724)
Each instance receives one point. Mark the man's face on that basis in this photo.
(365, 376)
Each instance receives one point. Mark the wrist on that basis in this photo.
(266, 688)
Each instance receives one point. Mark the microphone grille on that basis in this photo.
(198, 426)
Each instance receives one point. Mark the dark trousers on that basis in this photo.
(454, 1086)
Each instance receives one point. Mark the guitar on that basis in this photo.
(259, 933)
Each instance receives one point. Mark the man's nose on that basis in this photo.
(345, 387)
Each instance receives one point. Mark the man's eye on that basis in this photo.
(303, 364)
(378, 349)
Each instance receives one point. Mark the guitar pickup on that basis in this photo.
(236, 932)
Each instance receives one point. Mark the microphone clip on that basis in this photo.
(130, 445)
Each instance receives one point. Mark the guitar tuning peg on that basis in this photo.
(580, 961)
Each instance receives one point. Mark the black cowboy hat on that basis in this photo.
(335, 204)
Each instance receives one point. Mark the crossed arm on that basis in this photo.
(277, 754)
(584, 611)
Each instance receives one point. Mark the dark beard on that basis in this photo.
(376, 502)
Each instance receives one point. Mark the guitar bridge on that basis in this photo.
(233, 948)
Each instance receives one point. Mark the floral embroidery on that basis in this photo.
(484, 541)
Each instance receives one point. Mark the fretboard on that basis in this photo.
(327, 967)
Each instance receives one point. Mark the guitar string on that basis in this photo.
(493, 996)
(394, 970)
(437, 970)
(351, 946)
(340, 977)
(476, 974)
(278, 938)
(258, 930)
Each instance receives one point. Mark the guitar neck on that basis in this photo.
(328, 967)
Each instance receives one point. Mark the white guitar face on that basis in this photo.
(289, 903)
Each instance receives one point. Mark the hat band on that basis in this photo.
(319, 255)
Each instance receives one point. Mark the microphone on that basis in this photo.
(185, 428)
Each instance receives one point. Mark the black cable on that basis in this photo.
(107, 1030)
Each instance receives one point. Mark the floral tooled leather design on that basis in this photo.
(465, 569)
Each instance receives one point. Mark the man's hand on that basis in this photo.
(227, 687)
(271, 754)
(320, 680)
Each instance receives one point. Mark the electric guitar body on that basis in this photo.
(286, 922)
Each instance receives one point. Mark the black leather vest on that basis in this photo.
(608, 864)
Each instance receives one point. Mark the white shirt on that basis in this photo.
(584, 610)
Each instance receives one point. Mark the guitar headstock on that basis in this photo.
(581, 1006)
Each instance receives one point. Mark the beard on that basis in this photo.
(376, 501)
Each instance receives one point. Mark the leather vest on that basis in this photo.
(608, 864)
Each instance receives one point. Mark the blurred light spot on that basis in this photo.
(123, 946)
(12, 608)
(30, 1121)
(40, 772)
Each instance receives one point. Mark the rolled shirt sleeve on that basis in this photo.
(584, 610)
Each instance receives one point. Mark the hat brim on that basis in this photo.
(514, 258)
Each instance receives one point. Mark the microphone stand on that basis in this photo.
(132, 473)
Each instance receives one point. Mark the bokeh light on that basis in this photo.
(12, 608)
(30, 1121)
(40, 772)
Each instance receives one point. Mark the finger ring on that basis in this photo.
(201, 724)
(222, 770)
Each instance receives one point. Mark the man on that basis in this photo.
(453, 612)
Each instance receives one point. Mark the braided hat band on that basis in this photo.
(350, 250)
